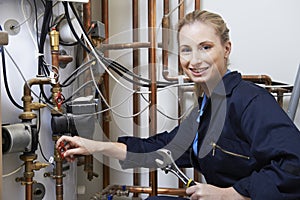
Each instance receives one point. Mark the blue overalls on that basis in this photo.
(246, 140)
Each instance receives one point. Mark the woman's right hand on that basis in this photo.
(69, 147)
(72, 146)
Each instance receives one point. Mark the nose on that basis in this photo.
(196, 57)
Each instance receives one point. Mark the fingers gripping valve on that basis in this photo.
(167, 164)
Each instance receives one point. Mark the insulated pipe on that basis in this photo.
(106, 171)
(294, 101)
(153, 87)
(136, 99)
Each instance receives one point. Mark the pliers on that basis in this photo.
(169, 165)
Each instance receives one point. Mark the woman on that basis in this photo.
(240, 140)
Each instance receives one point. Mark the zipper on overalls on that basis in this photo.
(215, 146)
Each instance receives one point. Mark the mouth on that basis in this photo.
(198, 71)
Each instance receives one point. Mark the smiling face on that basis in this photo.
(203, 57)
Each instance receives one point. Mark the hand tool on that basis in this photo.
(169, 165)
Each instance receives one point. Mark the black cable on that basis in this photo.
(65, 4)
(81, 24)
(44, 32)
(42, 69)
(113, 64)
(36, 22)
(6, 82)
(68, 44)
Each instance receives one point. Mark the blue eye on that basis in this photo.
(185, 50)
(206, 47)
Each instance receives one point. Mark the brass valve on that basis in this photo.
(54, 39)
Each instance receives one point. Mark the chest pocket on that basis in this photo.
(228, 159)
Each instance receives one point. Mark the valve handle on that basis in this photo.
(59, 99)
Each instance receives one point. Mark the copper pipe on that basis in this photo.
(197, 4)
(56, 90)
(168, 191)
(258, 79)
(89, 167)
(28, 105)
(65, 59)
(106, 171)
(153, 87)
(165, 38)
(145, 190)
(30, 166)
(58, 171)
(136, 99)
(87, 15)
(132, 45)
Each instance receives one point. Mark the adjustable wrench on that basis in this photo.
(169, 165)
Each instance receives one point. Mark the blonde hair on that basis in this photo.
(209, 18)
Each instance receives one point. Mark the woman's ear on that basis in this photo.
(227, 47)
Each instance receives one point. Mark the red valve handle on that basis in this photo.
(59, 99)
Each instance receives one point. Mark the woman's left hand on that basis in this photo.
(202, 191)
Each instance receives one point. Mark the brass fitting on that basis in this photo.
(27, 98)
(54, 39)
(30, 166)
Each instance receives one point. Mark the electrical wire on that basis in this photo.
(25, 81)
(112, 64)
(6, 81)
(77, 90)
(82, 67)
(169, 117)
(122, 116)
(38, 132)
(13, 172)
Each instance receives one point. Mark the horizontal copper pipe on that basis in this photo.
(258, 79)
(133, 45)
(111, 189)
(148, 190)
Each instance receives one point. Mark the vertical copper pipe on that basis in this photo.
(153, 88)
(54, 42)
(180, 71)
(196, 174)
(197, 4)
(87, 16)
(165, 36)
(87, 20)
(28, 174)
(136, 100)
(106, 171)
(58, 173)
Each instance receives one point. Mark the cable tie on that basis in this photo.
(38, 54)
(52, 77)
(51, 160)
